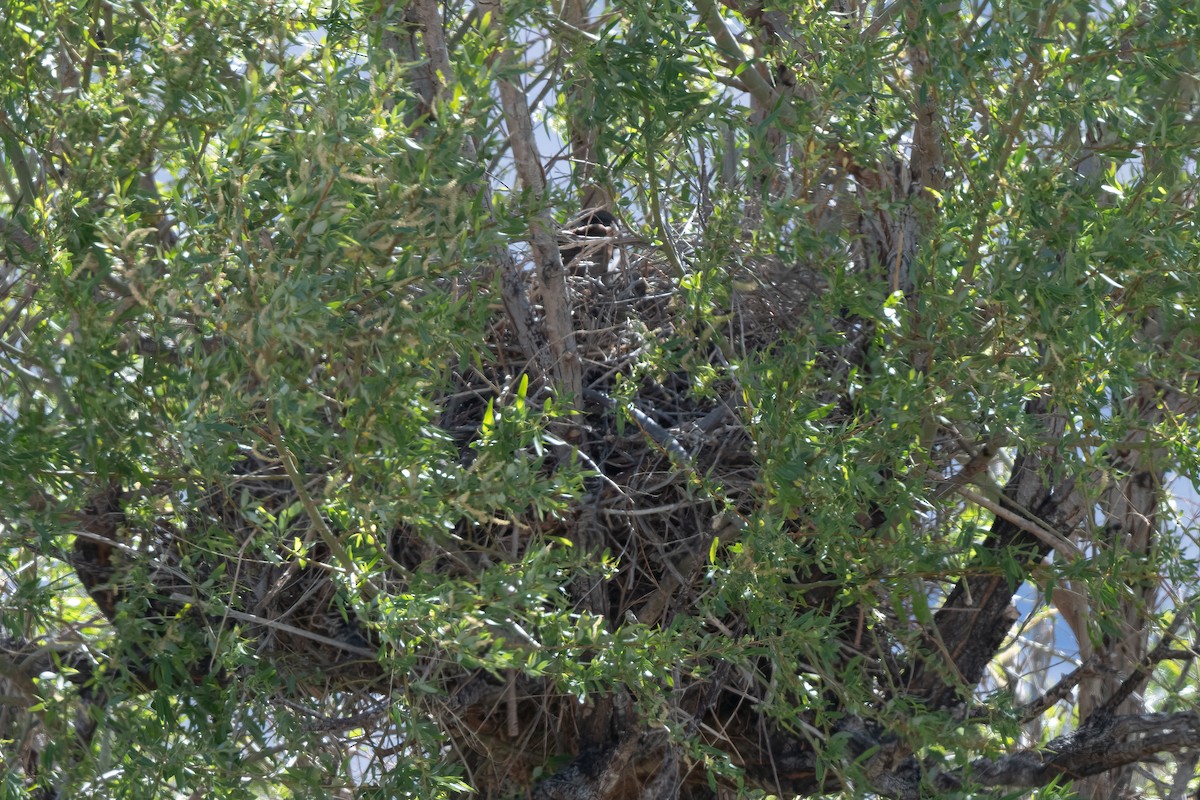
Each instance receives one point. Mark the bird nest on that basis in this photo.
(667, 469)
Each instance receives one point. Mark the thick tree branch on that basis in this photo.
(432, 86)
(559, 329)
(735, 60)
(974, 620)
(1115, 743)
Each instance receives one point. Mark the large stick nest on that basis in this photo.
(671, 469)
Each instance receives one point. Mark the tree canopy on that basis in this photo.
(599, 401)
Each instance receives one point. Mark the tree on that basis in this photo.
(862, 467)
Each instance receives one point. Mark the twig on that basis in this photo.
(242, 616)
(651, 428)
(275, 437)
(1142, 673)
(1062, 546)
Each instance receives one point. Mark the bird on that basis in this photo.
(592, 257)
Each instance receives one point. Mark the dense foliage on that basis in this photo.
(855, 457)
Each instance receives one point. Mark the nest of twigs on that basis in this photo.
(670, 469)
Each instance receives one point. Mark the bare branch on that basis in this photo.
(560, 330)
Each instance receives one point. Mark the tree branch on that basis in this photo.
(560, 330)
(1116, 743)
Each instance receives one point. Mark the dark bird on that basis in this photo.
(593, 256)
